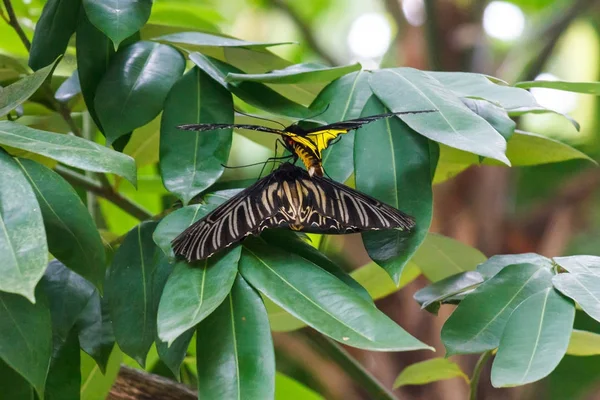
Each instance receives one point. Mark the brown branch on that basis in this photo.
(14, 22)
(133, 384)
(107, 192)
(305, 30)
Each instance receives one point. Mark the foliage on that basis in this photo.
(71, 291)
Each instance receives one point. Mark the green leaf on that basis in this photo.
(202, 42)
(192, 161)
(494, 115)
(53, 31)
(290, 241)
(448, 287)
(432, 370)
(583, 288)
(479, 320)
(13, 385)
(453, 124)
(64, 375)
(378, 283)
(321, 300)
(174, 355)
(405, 159)
(535, 339)
(287, 388)
(496, 263)
(68, 295)
(526, 148)
(253, 93)
(70, 150)
(23, 248)
(342, 99)
(118, 19)
(95, 330)
(143, 144)
(175, 223)
(72, 234)
(478, 86)
(584, 343)
(580, 264)
(517, 112)
(135, 86)
(137, 277)
(235, 356)
(577, 87)
(17, 93)
(440, 257)
(69, 88)
(297, 73)
(94, 384)
(26, 337)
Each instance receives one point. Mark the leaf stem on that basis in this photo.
(353, 368)
(477, 373)
(107, 192)
(14, 22)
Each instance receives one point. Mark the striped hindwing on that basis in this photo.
(287, 198)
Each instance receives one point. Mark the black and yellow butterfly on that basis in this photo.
(287, 198)
(305, 144)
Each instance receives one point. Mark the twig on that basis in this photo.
(133, 209)
(362, 377)
(431, 30)
(304, 30)
(477, 374)
(14, 22)
(135, 384)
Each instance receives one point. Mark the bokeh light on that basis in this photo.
(503, 20)
(557, 100)
(414, 12)
(370, 36)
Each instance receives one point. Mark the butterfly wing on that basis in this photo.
(210, 127)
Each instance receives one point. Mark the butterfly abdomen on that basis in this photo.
(310, 160)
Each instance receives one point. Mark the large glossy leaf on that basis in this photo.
(26, 337)
(580, 264)
(69, 88)
(118, 19)
(342, 99)
(135, 86)
(53, 31)
(137, 277)
(67, 149)
(94, 383)
(440, 257)
(253, 93)
(584, 343)
(577, 87)
(13, 385)
(297, 73)
(23, 247)
(72, 234)
(535, 339)
(583, 288)
(192, 161)
(432, 370)
(494, 115)
(95, 330)
(405, 159)
(64, 375)
(235, 356)
(174, 355)
(16, 94)
(378, 283)
(496, 263)
(448, 287)
(201, 41)
(68, 295)
(478, 86)
(143, 144)
(478, 322)
(453, 124)
(321, 300)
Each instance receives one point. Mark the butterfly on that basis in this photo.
(287, 198)
(305, 144)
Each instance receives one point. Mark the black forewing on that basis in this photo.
(211, 127)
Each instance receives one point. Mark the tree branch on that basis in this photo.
(14, 22)
(133, 384)
(107, 192)
(304, 30)
(477, 374)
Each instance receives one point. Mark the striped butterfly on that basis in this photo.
(305, 144)
(287, 198)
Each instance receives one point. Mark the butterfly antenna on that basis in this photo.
(263, 118)
(313, 116)
(258, 163)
